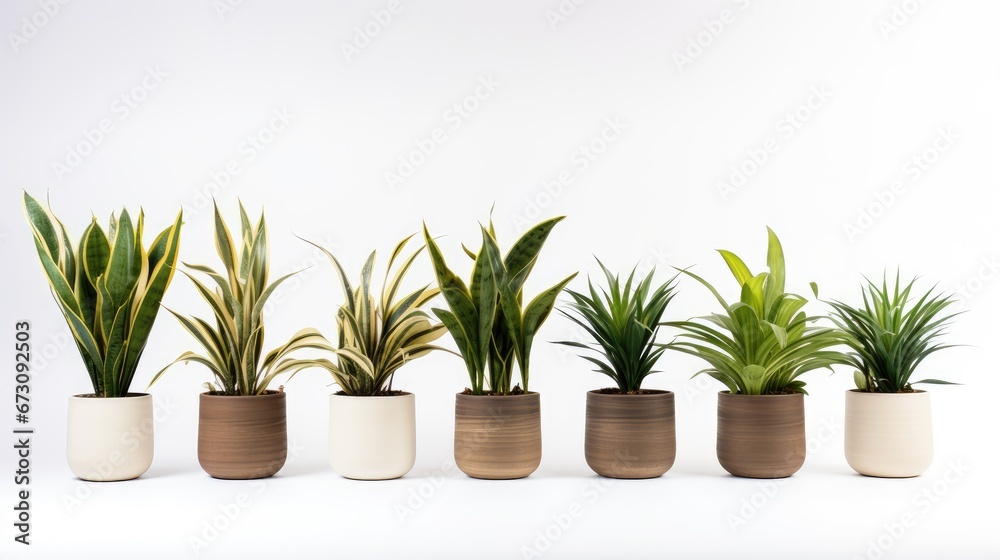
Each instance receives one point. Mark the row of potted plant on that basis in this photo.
(109, 288)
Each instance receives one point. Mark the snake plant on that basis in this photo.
(892, 334)
(763, 343)
(623, 320)
(486, 318)
(108, 288)
(233, 345)
(379, 336)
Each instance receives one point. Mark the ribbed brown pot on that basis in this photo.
(242, 437)
(630, 436)
(498, 437)
(761, 436)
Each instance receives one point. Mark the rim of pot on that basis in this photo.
(270, 393)
(125, 396)
(648, 393)
(913, 392)
(528, 394)
(739, 395)
(401, 394)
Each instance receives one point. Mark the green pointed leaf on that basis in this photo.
(525, 250)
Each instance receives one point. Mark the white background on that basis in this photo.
(896, 74)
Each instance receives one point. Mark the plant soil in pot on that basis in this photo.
(498, 437)
(888, 434)
(109, 439)
(242, 437)
(373, 437)
(761, 436)
(630, 436)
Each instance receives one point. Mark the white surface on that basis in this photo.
(606, 76)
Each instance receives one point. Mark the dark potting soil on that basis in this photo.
(393, 393)
(517, 390)
(617, 391)
(783, 392)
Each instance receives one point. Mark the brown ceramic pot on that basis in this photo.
(242, 437)
(761, 436)
(498, 437)
(630, 436)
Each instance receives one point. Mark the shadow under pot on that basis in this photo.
(498, 437)
(630, 436)
(761, 436)
(242, 437)
(372, 437)
(888, 435)
(109, 438)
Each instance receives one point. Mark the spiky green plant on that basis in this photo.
(109, 289)
(763, 343)
(377, 337)
(891, 334)
(624, 322)
(487, 318)
(233, 346)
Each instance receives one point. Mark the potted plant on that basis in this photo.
(372, 426)
(629, 430)
(241, 423)
(758, 349)
(497, 426)
(887, 429)
(109, 290)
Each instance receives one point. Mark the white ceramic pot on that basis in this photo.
(110, 439)
(373, 438)
(888, 434)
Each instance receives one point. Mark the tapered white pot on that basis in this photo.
(109, 439)
(373, 438)
(888, 434)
